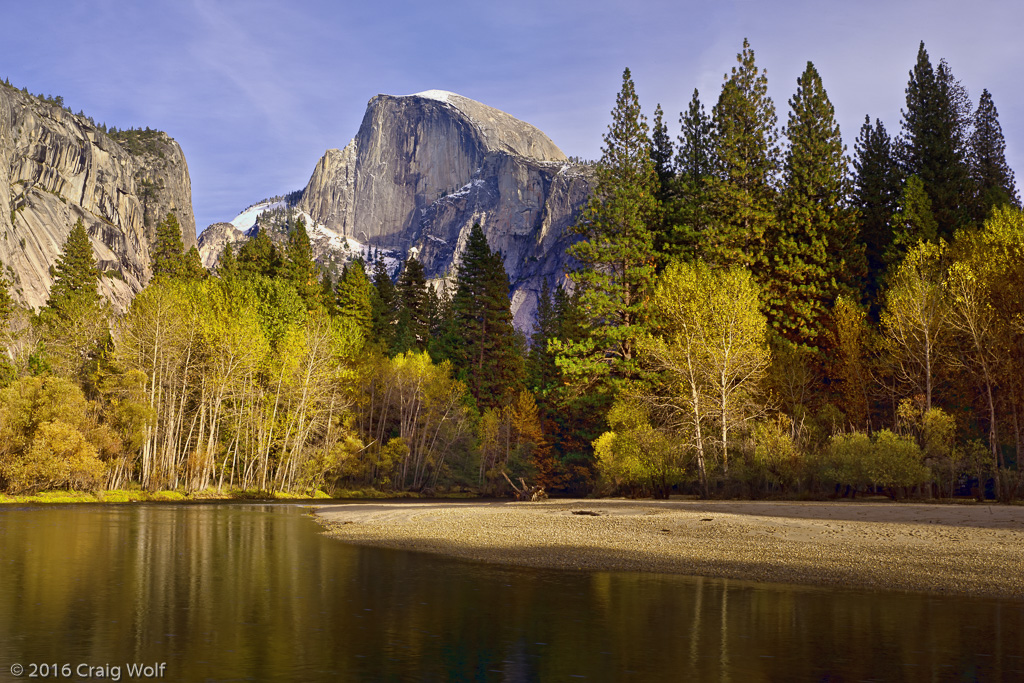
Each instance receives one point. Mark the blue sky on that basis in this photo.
(256, 91)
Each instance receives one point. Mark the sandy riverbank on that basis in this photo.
(964, 549)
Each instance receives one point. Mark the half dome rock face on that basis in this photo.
(57, 168)
(424, 168)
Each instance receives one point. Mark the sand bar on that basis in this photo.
(958, 549)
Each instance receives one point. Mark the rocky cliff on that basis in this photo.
(424, 168)
(55, 168)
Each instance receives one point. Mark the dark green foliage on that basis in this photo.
(993, 179)
(913, 221)
(934, 142)
(76, 274)
(617, 250)
(384, 306)
(742, 193)
(813, 250)
(167, 253)
(355, 295)
(327, 294)
(876, 193)
(413, 328)
(6, 303)
(194, 269)
(483, 351)
(300, 269)
(259, 256)
(541, 371)
(137, 141)
(695, 166)
(227, 264)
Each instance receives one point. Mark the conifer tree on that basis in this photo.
(354, 296)
(912, 223)
(812, 252)
(742, 191)
(76, 274)
(695, 166)
(227, 264)
(413, 322)
(934, 142)
(876, 193)
(300, 269)
(617, 250)
(73, 323)
(541, 370)
(484, 351)
(328, 296)
(662, 154)
(259, 256)
(193, 265)
(384, 306)
(168, 253)
(993, 179)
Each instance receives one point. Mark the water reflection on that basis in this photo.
(231, 592)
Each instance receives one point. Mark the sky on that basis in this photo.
(256, 91)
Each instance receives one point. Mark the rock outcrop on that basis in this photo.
(56, 168)
(424, 168)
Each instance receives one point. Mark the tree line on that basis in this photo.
(764, 314)
(754, 313)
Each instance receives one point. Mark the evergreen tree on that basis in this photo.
(73, 324)
(193, 266)
(912, 223)
(541, 371)
(934, 142)
(168, 253)
(617, 250)
(413, 322)
(300, 269)
(328, 296)
(742, 194)
(227, 264)
(695, 166)
(384, 306)
(993, 179)
(484, 353)
(876, 193)
(812, 252)
(662, 154)
(76, 274)
(355, 296)
(259, 256)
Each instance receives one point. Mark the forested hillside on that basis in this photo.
(757, 312)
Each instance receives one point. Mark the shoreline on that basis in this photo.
(970, 550)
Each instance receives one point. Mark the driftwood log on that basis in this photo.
(524, 492)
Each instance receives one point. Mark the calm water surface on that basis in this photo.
(251, 592)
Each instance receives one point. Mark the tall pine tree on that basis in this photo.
(934, 142)
(617, 250)
(876, 192)
(484, 349)
(814, 254)
(299, 268)
(354, 296)
(742, 193)
(167, 254)
(695, 166)
(413, 330)
(994, 183)
(76, 275)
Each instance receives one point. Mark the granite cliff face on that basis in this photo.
(424, 168)
(55, 168)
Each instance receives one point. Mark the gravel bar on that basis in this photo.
(975, 550)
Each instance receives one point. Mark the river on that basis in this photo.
(236, 592)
